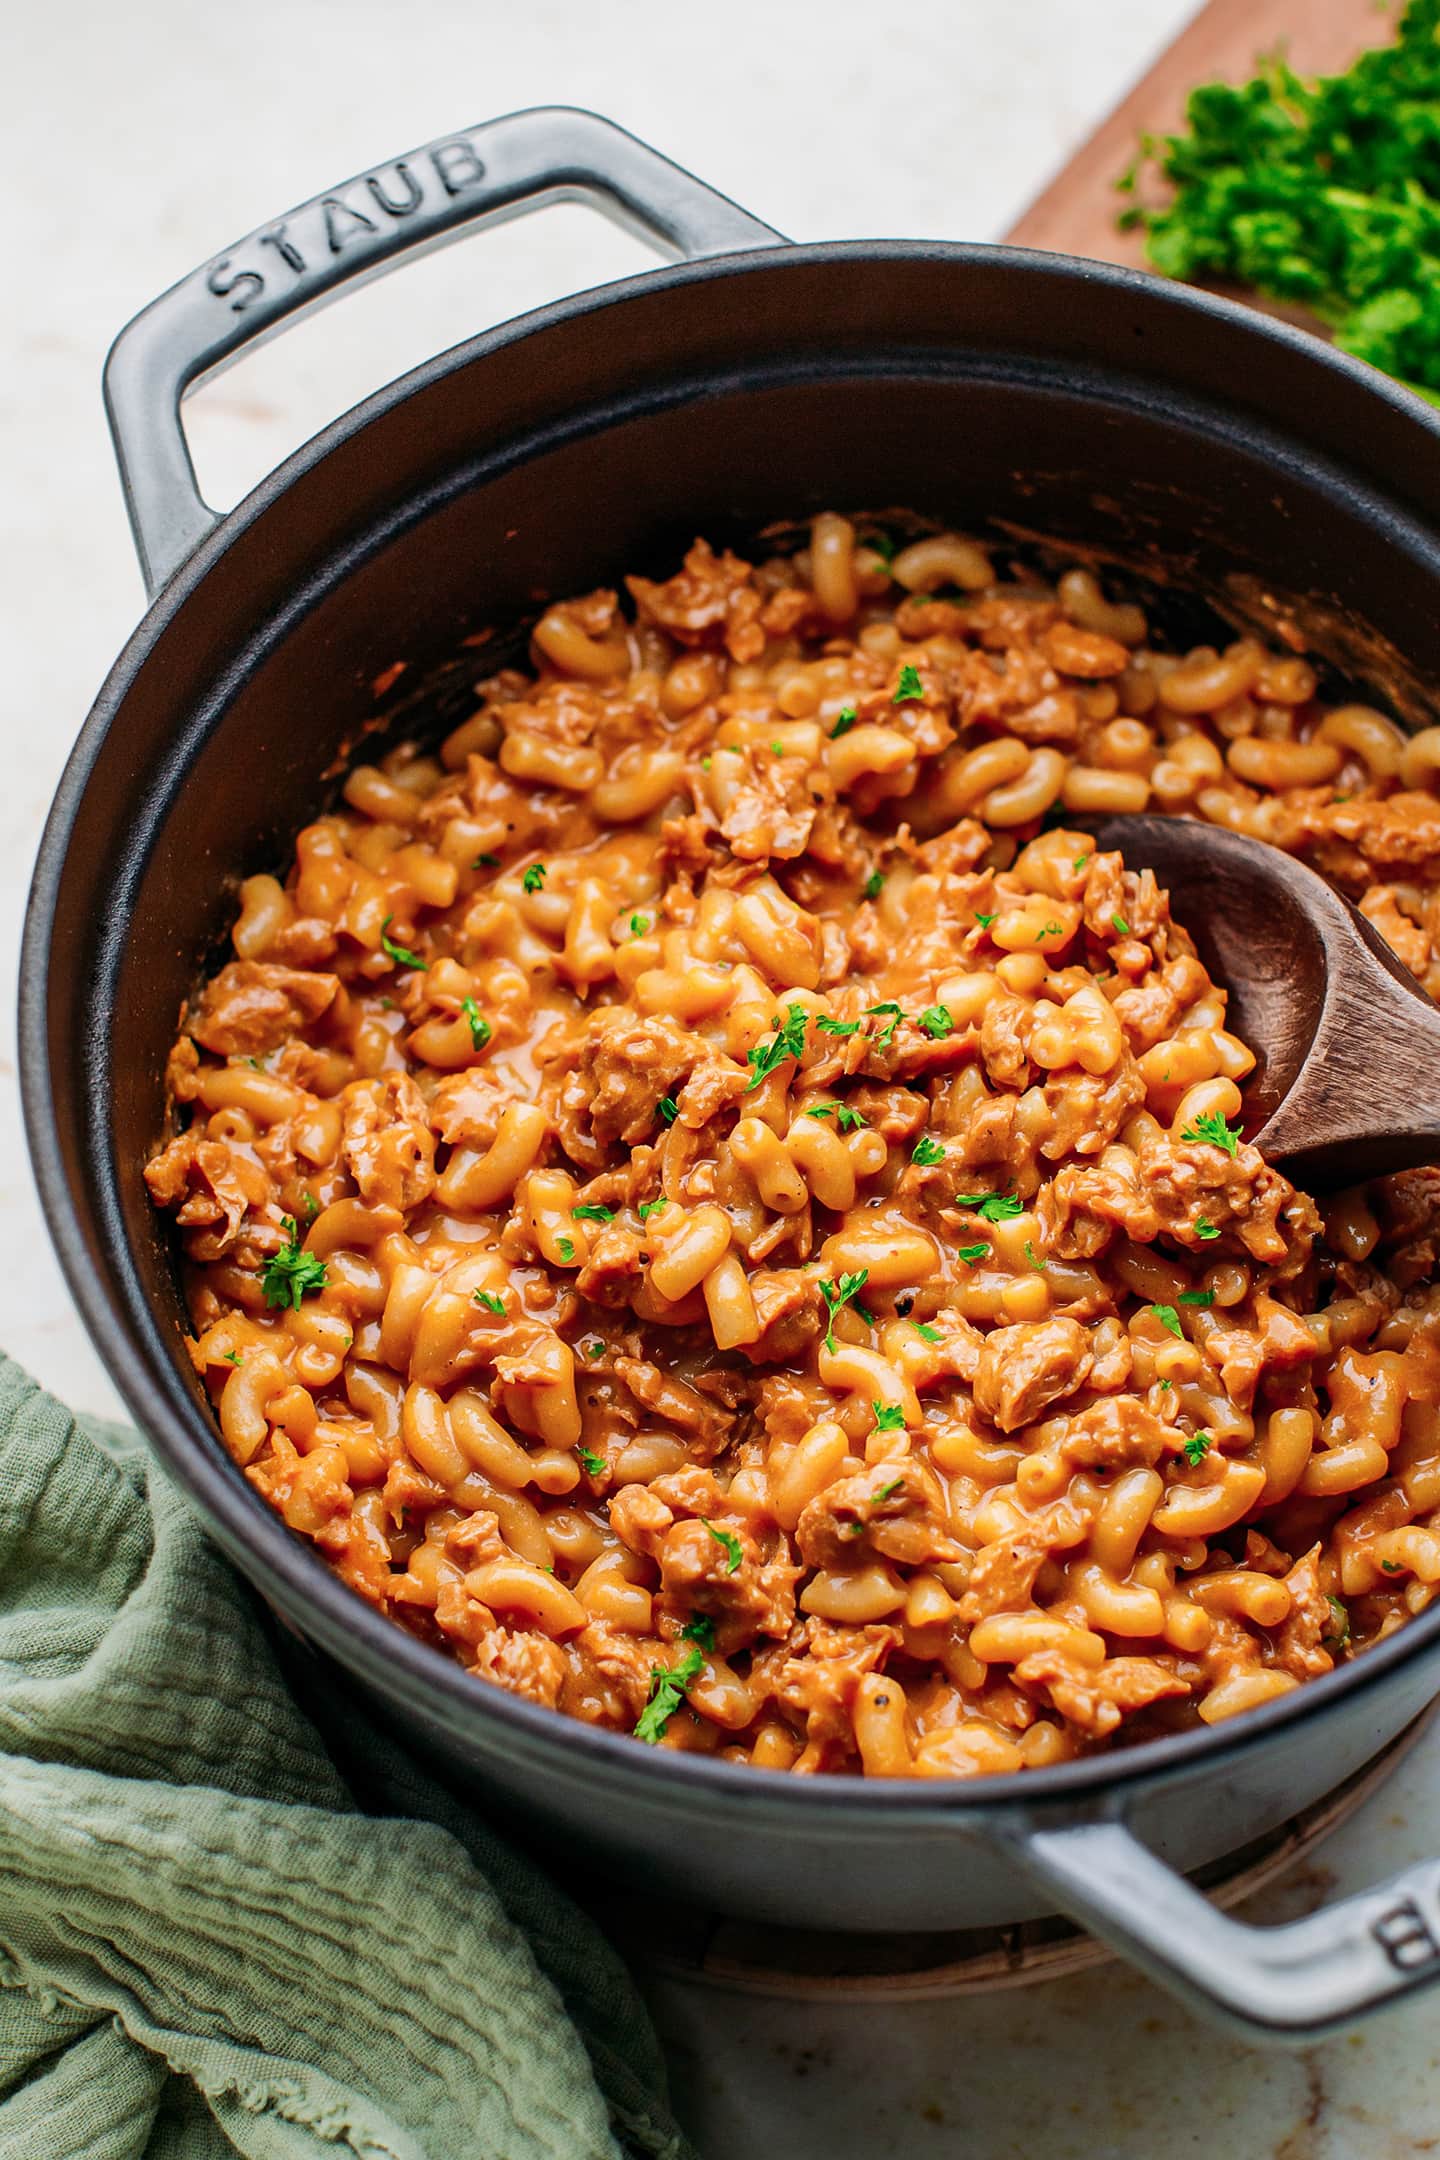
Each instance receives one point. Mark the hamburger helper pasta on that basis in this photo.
(708, 1201)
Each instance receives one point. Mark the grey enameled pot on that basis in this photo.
(760, 380)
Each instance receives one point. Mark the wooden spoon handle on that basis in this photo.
(1367, 1098)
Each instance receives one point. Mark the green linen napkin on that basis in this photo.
(232, 1925)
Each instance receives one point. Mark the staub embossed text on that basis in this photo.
(354, 218)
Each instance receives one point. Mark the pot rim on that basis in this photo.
(358, 1635)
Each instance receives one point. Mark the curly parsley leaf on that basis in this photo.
(400, 954)
(1197, 1447)
(1197, 1297)
(1169, 1319)
(889, 1417)
(845, 1292)
(970, 1254)
(1204, 1228)
(937, 1022)
(593, 1212)
(983, 920)
(827, 1026)
(700, 1628)
(667, 1692)
(927, 1152)
(566, 1248)
(480, 1030)
(909, 687)
(534, 878)
(592, 1464)
(787, 1041)
(927, 1334)
(892, 1014)
(647, 1208)
(730, 1544)
(845, 719)
(291, 1273)
(872, 886)
(992, 1206)
(1213, 1130)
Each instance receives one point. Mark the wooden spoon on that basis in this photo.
(1347, 1083)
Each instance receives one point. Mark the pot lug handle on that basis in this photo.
(1283, 1985)
(432, 195)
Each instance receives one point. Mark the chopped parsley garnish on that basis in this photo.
(842, 1293)
(595, 1348)
(1169, 1319)
(970, 1254)
(788, 1041)
(534, 878)
(1080, 862)
(929, 1334)
(486, 861)
(1197, 1447)
(647, 1208)
(827, 1026)
(909, 686)
(1034, 1259)
(1212, 1129)
(852, 1120)
(1197, 1297)
(730, 1544)
(567, 1249)
(871, 887)
(1164, 1387)
(1050, 929)
(311, 1206)
(591, 1463)
(927, 1152)
(892, 1014)
(992, 1206)
(937, 1022)
(489, 1300)
(639, 924)
(700, 1628)
(1319, 190)
(292, 1273)
(232, 1357)
(400, 954)
(889, 1417)
(479, 1025)
(668, 1109)
(778, 748)
(983, 920)
(1391, 1567)
(593, 1212)
(667, 1692)
(1204, 1228)
(1339, 1634)
(845, 719)
(888, 1490)
(1119, 923)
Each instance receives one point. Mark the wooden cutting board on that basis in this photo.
(1076, 213)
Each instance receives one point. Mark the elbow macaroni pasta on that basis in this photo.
(708, 1203)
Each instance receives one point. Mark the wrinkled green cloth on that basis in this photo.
(230, 1925)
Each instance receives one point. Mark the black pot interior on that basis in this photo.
(1224, 464)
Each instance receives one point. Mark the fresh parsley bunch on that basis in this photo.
(1323, 192)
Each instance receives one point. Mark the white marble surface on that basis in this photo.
(148, 136)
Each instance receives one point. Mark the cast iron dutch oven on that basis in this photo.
(750, 380)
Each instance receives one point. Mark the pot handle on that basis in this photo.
(1285, 1985)
(355, 231)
